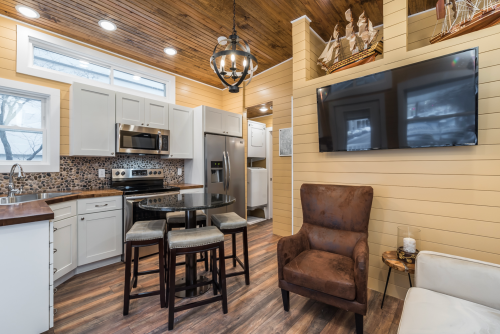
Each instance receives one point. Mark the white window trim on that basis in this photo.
(51, 140)
(27, 38)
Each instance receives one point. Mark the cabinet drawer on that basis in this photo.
(99, 204)
(193, 191)
(63, 210)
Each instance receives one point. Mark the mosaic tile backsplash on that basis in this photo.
(81, 173)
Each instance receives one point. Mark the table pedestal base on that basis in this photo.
(198, 291)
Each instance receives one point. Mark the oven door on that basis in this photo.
(133, 213)
(133, 139)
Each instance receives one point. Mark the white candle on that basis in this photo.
(409, 245)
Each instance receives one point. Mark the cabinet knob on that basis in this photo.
(112, 153)
(83, 218)
(55, 250)
(147, 124)
(142, 123)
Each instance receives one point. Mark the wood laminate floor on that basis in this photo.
(92, 302)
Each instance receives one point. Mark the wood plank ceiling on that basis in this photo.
(192, 27)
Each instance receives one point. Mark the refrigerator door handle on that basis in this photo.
(224, 176)
(229, 170)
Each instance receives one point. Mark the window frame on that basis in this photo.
(28, 38)
(51, 109)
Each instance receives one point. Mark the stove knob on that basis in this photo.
(155, 172)
(159, 172)
(123, 173)
(150, 172)
(117, 173)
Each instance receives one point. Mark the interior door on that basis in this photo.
(156, 115)
(236, 184)
(269, 167)
(129, 109)
(215, 168)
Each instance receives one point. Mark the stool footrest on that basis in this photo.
(196, 304)
(148, 272)
(144, 294)
(182, 288)
(235, 274)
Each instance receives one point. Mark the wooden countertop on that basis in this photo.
(40, 210)
(185, 186)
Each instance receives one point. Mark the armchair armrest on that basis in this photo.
(460, 277)
(360, 255)
(288, 249)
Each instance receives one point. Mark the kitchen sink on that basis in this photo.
(30, 197)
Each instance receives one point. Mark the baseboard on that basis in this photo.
(87, 267)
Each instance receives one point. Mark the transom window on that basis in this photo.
(22, 128)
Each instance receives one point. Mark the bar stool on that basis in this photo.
(188, 241)
(231, 223)
(178, 220)
(142, 234)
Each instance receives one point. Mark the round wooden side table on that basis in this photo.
(390, 258)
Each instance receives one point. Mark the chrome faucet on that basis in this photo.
(20, 175)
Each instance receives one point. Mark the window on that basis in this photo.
(138, 83)
(61, 63)
(29, 127)
(53, 58)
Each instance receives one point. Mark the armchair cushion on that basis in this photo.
(326, 272)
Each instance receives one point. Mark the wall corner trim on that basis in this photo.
(300, 18)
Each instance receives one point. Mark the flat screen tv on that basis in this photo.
(428, 104)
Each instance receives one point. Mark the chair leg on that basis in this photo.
(206, 261)
(161, 259)
(171, 284)
(286, 299)
(126, 290)
(234, 249)
(245, 256)
(136, 266)
(213, 267)
(359, 323)
(222, 266)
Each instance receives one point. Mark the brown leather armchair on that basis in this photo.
(327, 260)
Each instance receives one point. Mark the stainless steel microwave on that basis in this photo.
(133, 139)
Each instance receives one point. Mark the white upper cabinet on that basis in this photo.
(92, 121)
(222, 122)
(181, 132)
(130, 109)
(156, 115)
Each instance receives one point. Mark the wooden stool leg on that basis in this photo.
(245, 256)
(213, 267)
(222, 265)
(171, 287)
(234, 249)
(161, 259)
(136, 266)
(126, 290)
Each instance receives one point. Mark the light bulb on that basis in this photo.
(232, 57)
(245, 62)
(222, 63)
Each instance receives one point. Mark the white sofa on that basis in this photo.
(452, 295)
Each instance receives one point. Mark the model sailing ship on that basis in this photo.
(464, 16)
(332, 59)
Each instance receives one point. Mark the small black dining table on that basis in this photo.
(188, 203)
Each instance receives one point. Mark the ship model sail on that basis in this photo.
(362, 46)
(465, 16)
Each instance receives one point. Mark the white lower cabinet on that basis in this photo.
(65, 246)
(99, 236)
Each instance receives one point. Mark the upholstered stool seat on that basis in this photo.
(180, 216)
(194, 237)
(228, 221)
(146, 230)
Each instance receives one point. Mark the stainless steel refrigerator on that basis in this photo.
(225, 171)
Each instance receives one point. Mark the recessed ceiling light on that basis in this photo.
(107, 25)
(28, 12)
(136, 77)
(170, 51)
(263, 109)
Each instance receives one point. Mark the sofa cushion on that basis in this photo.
(426, 311)
(322, 271)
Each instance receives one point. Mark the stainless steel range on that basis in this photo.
(138, 184)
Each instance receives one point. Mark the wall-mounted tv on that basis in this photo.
(432, 103)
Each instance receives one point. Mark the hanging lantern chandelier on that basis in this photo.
(241, 61)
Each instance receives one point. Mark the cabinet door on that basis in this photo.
(92, 121)
(99, 236)
(181, 132)
(214, 120)
(65, 246)
(156, 114)
(129, 109)
(233, 124)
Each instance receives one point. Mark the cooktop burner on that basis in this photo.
(139, 181)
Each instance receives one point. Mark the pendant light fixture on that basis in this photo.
(241, 61)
